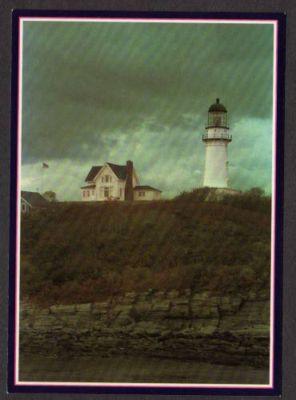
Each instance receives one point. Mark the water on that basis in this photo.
(135, 370)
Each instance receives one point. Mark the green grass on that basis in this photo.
(74, 252)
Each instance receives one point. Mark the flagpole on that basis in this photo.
(42, 178)
(44, 166)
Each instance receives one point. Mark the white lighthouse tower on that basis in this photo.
(216, 140)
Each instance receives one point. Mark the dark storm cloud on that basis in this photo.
(89, 87)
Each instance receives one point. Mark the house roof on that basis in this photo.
(34, 199)
(146, 187)
(93, 172)
(88, 186)
(119, 171)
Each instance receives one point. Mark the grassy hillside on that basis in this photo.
(75, 252)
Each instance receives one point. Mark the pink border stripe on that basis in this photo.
(157, 385)
(273, 227)
(154, 20)
(18, 189)
(19, 137)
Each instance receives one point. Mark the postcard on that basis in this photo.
(146, 212)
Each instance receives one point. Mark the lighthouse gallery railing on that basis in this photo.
(209, 136)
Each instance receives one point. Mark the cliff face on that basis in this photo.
(225, 330)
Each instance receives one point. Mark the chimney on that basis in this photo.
(129, 191)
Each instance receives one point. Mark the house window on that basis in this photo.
(141, 194)
(93, 192)
(106, 192)
(107, 178)
(88, 193)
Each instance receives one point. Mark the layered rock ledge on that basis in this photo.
(216, 329)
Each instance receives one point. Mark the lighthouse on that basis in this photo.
(216, 140)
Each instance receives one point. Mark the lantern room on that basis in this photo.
(217, 116)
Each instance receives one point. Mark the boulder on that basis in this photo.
(173, 294)
(160, 308)
(204, 327)
(229, 305)
(63, 309)
(84, 307)
(100, 309)
(179, 308)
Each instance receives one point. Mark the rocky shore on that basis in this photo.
(226, 330)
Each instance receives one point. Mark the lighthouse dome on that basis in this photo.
(217, 107)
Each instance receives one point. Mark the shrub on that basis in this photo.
(84, 252)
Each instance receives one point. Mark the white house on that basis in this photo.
(116, 182)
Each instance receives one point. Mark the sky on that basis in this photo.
(97, 92)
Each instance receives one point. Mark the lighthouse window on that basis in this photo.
(217, 120)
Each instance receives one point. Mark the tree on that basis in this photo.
(50, 196)
(256, 192)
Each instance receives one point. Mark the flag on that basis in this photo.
(44, 165)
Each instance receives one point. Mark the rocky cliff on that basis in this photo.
(225, 330)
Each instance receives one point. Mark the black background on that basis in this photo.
(289, 273)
